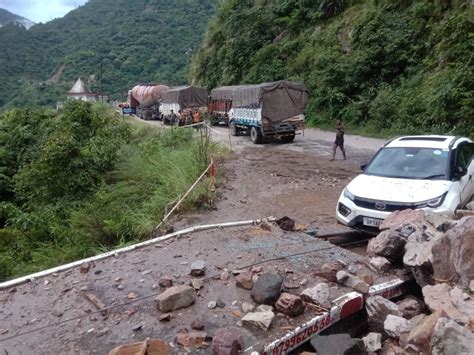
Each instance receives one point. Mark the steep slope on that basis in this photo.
(125, 41)
(6, 17)
(383, 66)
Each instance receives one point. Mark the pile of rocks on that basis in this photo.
(439, 253)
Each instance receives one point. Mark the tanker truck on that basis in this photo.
(146, 98)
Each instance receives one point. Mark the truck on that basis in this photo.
(274, 109)
(186, 99)
(220, 104)
(145, 99)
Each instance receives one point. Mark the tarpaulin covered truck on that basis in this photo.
(184, 99)
(220, 103)
(273, 109)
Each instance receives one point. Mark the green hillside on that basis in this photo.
(382, 66)
(133, 41)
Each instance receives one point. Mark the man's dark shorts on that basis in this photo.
(339, 142)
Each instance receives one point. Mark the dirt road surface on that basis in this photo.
(52, 314)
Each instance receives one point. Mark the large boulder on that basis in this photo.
(419, 338)
(388, 244)
(175, 298)
(418, 255)
(453, 301)
(267, 288)
(450, 338)
(453, 255)
(378, 308)
(398, 218)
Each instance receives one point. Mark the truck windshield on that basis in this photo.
(410, 163)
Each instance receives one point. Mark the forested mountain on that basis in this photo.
(6, 17)
(381, 65)
(125, 41)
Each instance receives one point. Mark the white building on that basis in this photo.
(80, 91)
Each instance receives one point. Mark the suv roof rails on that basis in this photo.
(424, 138)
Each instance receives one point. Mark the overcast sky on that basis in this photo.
(40, 10)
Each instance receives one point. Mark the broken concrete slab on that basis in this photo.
(175, 297)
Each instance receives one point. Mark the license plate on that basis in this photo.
(371, 222)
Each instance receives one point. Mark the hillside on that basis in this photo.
(6, 17)
(382, 66)
(133, 41)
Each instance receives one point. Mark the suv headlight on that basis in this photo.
(348, 194)
(434, 202)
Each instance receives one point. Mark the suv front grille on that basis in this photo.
(383, 206)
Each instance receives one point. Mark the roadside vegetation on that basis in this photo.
(385, 67)
(83, 181)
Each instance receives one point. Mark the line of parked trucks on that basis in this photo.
(274, 109)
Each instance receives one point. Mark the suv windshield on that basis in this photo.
(410, 163)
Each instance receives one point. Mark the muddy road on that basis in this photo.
(53, 314)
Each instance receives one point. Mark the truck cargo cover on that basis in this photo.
(279, 100)
(186, 96)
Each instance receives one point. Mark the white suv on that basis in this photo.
(433, 173)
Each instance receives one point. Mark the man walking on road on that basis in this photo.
(339, 142)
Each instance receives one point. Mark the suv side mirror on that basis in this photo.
(363, 166)
(460, 171)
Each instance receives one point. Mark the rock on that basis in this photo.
(410, 306)
(453, 254)
(394, 326)
(258, 320)
(132, 295)
(256, 269)
(354, 268)
(332, 266)
(286, 223)
(379, 264)
(264, 308)
(212, 305)
(418, 254)
(440, 222)
(197, 284)
(197, 324)
(328, 275)
(247, 307)
(450, 338)
(267, 289)
(244, 280)
(84, 268)
(388, 244)
(357, 284)
(137, 327)
(150, 346)
(176, 297)
(290, 305)
(146, 272)
(399, 218)
(198, 268)
(191, 339)
(220, 303)
(457, 304)
(470, 206)
(165, 282)
(291, 285)
(368, 279)
(337, 344)
(378, 308)
(318, 294)
(120, 287)
(165, 317)
(373, 342)
(225, 275)
(390, 347)
(227, 342)
(419, 338)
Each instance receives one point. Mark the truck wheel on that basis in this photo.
(289, 138)
(256, 135)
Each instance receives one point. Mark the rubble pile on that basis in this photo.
(438, 252)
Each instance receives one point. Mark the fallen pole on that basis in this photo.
(33, 277)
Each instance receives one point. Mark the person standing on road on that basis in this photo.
(339, 142)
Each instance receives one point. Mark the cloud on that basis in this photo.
(40, 10)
